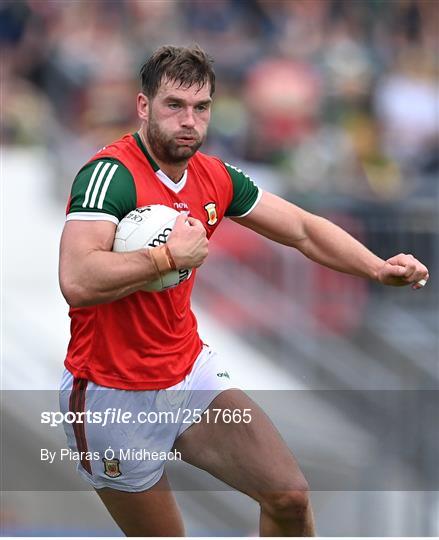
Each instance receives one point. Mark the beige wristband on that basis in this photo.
(162, 259)
(157, 272)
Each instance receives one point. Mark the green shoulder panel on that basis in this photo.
(103, 186)
(245, 192)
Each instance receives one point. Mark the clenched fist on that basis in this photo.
(403, 270)
(187, 242)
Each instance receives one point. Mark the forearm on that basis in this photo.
(104, 276)
(327, 244)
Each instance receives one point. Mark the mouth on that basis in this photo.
(186, 140)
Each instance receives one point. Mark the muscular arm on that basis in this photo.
(328, 244)
(90, 273)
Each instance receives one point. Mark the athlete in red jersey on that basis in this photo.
(117, 179)
(130, 340)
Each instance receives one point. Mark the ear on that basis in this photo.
(142, 106)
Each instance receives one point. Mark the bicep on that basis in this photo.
(276, 219)
(80, 238)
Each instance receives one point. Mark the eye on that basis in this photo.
(174, 106)
(201, 108)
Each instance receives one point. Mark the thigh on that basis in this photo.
(251, 457)
(148, 513)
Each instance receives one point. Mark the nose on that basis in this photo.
(188, 119)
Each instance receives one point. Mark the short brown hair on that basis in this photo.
(185, 65)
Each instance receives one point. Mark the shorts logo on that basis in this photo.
(111, 467)
(223, 374)
(212, 216)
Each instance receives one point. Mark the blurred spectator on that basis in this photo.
(407, 105)
(337, 96)
(283, 100)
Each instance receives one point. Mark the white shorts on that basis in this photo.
(123, 438)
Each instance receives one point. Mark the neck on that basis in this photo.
(174, 171)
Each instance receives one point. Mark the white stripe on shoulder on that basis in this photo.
(258, 198)
(106, 184)
(91, 216)
(90, 184)
(98, 184)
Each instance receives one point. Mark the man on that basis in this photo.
(140, 345)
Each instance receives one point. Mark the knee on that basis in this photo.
(292, 504)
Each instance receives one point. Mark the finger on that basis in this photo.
(396, 271)
(415, 270)
(421, 280)
(419, 275)
(411, 274)
(419, 284)
(405, 270)
(404, 260)
(180, 220)
(398, 260)
(195, 222)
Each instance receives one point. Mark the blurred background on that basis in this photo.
(332, 104)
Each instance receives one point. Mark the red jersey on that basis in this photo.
(146, 340)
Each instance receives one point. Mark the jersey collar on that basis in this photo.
(176, 187)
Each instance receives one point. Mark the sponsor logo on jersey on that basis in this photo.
(181, 206)
(212, 216)
(111, 467)
(223, 374)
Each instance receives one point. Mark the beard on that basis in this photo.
(165, 147)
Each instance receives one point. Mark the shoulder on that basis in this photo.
(206, 160)
(245, 193)
(103, 187)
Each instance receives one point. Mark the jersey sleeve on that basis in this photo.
(102, 190)
(246, 193)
